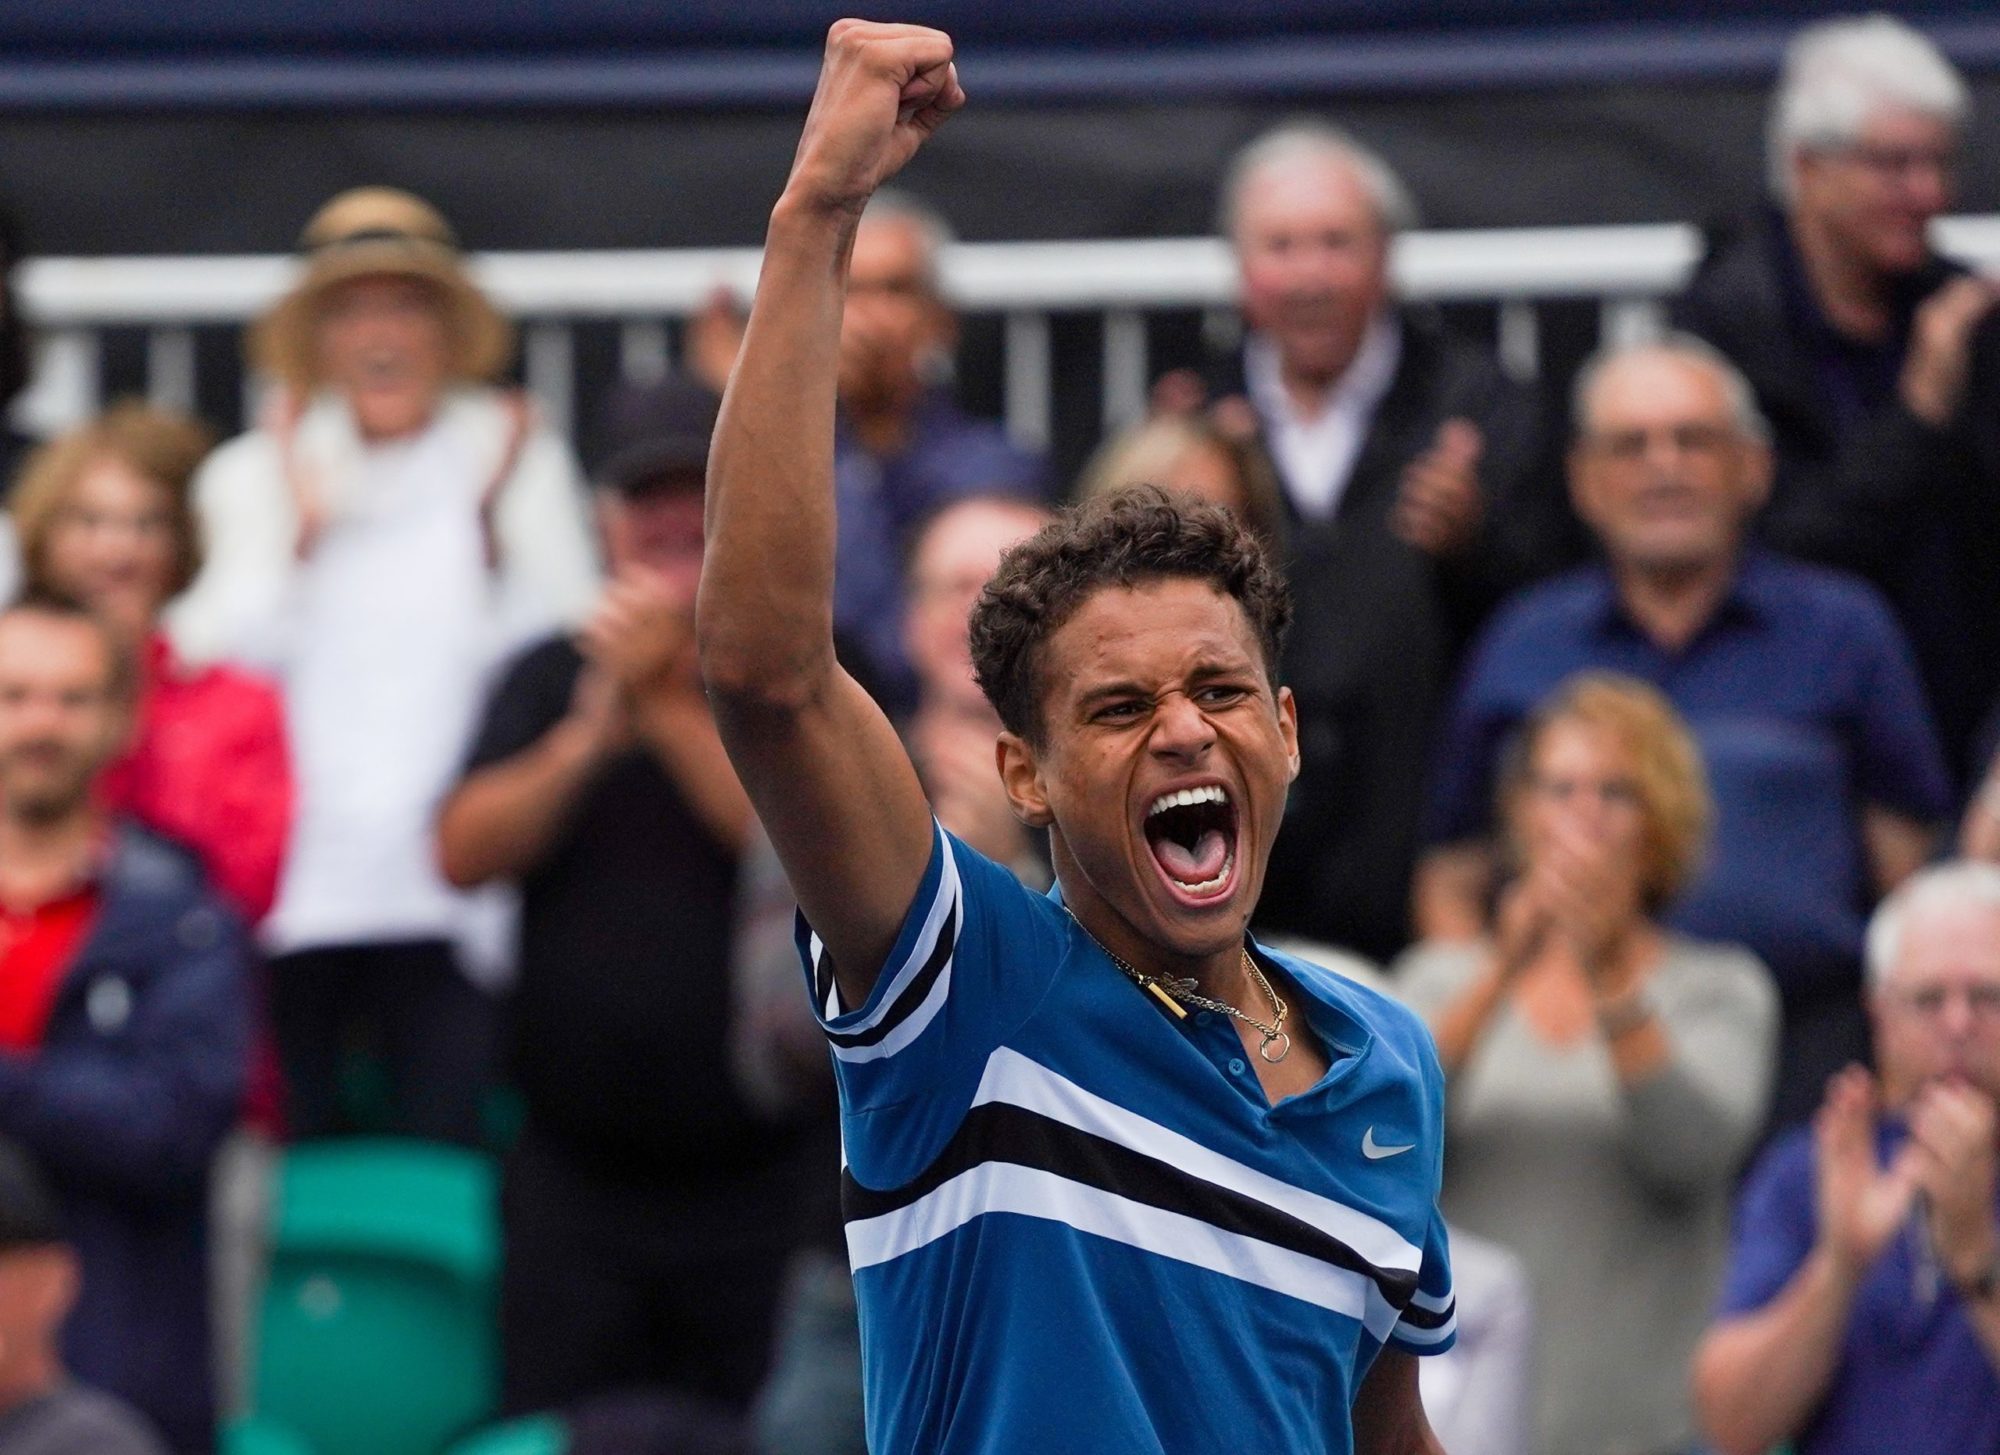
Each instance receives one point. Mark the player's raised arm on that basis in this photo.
(829, 777)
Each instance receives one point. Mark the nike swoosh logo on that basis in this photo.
(1374, 1151)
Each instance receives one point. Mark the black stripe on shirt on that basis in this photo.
(1423, 1318)
(1000, 1132)
(913, 994)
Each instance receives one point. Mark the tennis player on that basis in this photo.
(1119, 1179)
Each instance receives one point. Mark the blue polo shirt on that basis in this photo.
(1912, 1377)
(1077, 1225)
(1804, 699)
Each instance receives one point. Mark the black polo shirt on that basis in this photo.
(620, 1020)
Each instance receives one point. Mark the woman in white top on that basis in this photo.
(395, 529)
(1605, 1076)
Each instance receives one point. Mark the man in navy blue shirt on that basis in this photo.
(903, 448)
(1796, 682)
(1862, 1308)
(1118, 1177)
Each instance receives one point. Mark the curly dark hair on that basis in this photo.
(1122, 538)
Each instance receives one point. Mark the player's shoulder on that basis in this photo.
(996, 892)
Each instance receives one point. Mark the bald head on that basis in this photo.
(1670, 460)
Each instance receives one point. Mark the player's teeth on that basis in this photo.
(1213, 793)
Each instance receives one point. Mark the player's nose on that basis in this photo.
(1180, 728)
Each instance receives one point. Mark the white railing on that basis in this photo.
(1627, 269)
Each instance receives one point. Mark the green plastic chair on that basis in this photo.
(252, 1436)
(536, 1435)
(376, 1333)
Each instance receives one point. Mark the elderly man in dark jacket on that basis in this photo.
(123, 1023)
(1417, 490)
(1876, 359)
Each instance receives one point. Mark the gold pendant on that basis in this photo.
(1284, 1044)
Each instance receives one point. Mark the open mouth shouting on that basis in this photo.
(1192, 833)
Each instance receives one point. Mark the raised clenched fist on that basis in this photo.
(883, 89)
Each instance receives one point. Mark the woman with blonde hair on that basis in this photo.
(1188, 453)
(1606, 1076)
(103, 517)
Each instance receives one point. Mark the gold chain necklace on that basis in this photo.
(1175, 993)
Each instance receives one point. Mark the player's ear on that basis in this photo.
(1288, 729)
(1021, 776)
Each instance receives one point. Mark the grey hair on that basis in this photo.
(1967, 882)
(1675, 344)
(934, 234)
(1838, 73)
(1320, 141)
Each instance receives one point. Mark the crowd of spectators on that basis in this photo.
(375, 736)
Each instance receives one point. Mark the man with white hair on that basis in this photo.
(1407, 462)
(1872, 355)
(1862, 1310)
(1799, 689)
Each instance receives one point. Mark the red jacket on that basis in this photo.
(208, 766)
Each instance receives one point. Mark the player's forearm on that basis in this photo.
(1388, 1410)
(765, 614)
(1758, 1378)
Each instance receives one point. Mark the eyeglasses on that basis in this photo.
(1901, 161)
(1930, 1001)
(1611, 792)
(145, 525)
(1629, 446)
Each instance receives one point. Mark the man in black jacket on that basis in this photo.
(1417, 492)
(1876, 360)
(124, 1026)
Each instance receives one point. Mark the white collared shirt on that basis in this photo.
(1316, 456)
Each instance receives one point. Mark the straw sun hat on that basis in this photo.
(374, 232)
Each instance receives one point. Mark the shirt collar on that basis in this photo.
(1358, 390)
(1749, 597)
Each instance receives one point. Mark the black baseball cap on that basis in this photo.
(654, 436)
(29, 1216)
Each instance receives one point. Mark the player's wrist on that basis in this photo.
(808, 212)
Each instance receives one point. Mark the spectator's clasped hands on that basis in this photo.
(1949, 1162)
(641, 636)
(1952, 1131)
(883, 90)
(1861, 1203)
(1573, 889)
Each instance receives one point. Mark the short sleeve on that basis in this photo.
(1429, 1323)
(1774, 1227)
(1901, 765)
(977, 951)
(532, 697)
